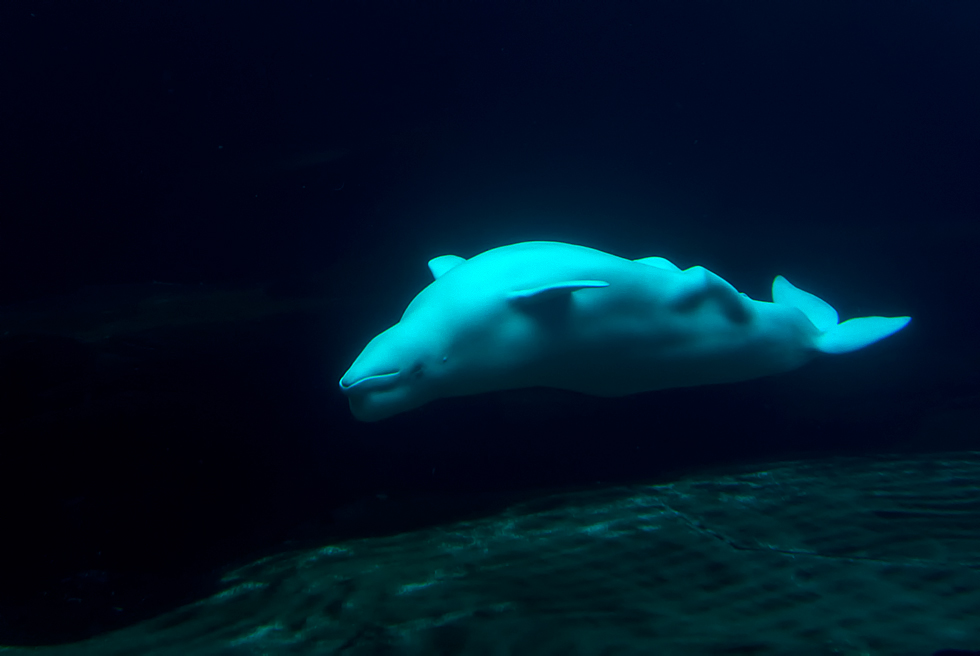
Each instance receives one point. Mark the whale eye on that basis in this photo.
(417, 371)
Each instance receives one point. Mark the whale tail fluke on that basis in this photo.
(854, 334)
(835, 337)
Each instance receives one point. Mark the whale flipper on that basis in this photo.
(440, 265)
(550, 292)
(835, 337)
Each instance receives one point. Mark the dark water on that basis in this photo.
(207, 209)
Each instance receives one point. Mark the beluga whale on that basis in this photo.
(550, 314)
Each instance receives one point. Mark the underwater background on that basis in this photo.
(208, 208)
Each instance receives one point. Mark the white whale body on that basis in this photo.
(548, 314)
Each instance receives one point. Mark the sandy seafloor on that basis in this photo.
(833, 556)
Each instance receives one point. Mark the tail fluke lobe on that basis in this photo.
(855, 334)
(820, 313)
(835, 337)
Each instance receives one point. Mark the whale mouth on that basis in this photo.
(375, 382)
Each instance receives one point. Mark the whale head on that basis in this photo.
(398, 370)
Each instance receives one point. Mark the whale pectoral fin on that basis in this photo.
(659, 263)
(703, 286)
(440, 265)
(834, 337)
(552, 292)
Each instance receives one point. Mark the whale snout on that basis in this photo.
(376, 368)
(388, 376)
(355, 384)
(378, 396)
(376, 390)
